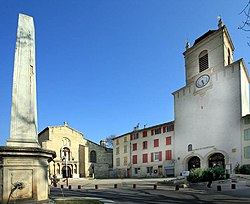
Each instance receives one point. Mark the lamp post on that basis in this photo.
(66, 162)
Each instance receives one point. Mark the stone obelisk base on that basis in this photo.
(24, 174)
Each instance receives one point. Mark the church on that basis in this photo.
(211, 112)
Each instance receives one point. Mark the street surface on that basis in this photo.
(145, 192)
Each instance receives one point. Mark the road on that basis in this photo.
(144, 193)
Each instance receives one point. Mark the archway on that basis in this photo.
(216, 159)
(194, 162)
(64, 170)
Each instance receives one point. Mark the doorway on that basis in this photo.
(216, 159)
(66, 172)
(194, 162)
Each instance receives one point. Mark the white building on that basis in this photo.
(144, 153)
(208, 110)
(211, 114)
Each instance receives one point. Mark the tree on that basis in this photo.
(245, 26)
(109, 141)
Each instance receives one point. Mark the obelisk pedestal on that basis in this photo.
(23, 163)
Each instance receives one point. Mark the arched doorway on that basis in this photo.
(64, 170)
(194, 162)
(216, 159)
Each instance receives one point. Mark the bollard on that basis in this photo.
(79, 186)
(177, 187)
(115, 185)
(61, 186)
(233, 186)
(155, 186)
(96, 186)
(218, 188)
(134, 185)
(69, 187)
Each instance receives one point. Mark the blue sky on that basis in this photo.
(105, 65)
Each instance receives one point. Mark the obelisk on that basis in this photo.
(23, 163)
(23, 124)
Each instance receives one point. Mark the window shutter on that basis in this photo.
(160, 156)
(168, 140)
(159, 130)
(152, 157)
(168, 155)
(164, 129)
(152, 132)
(131, 137)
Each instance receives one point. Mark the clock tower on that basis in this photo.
(209, 108)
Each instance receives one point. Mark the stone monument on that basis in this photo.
(23, 163)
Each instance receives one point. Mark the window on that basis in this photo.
(145, 145)
(134, 159)
(125, 161)
(117, 142)
(144, 134)
(156, 131)
(156, 156)
(247, 120)
(164, 129)
(137, 170)
(125, 139)
(203, 61)
(145, 158)
(247, 134)
(247, 152)
(168, 140)
(190, 147)
(66, 142)
(117, 161)
(93, 156)
(117, 150)
(125, 149)
(134, 146)
(65, 154)
(168, 155)
(170, 128)
(228, 57)
(134, 136)
(156, 143)
(150, 170)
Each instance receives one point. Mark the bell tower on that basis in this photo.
(209, 53)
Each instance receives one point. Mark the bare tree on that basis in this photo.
(109, 141)
(245, 26)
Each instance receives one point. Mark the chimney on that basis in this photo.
(65, 123)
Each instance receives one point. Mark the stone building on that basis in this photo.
(77, 157)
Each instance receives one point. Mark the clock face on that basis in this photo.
(202, 81)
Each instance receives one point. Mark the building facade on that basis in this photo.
(208, 110)
(211, 117)
(76, 156)
(145, 153)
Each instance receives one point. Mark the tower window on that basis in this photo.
(229, 56)
(203, 61)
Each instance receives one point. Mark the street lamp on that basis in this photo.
(66, 161)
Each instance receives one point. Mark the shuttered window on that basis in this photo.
(203, 61)
(134, 159)
(168, 155)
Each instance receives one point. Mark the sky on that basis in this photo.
(104, 66)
